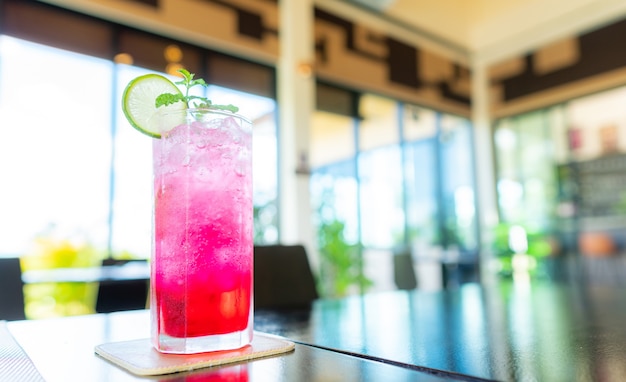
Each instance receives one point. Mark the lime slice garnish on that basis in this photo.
(138, 104)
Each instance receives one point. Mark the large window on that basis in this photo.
(382, 212)
(72, 167)
(420, 169)
(391, 178)
(560, 176)
(76, 178)
(55, 151)
(526, 177)
(334, 199)
(457, 185)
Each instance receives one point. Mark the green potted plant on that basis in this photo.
(341, 263)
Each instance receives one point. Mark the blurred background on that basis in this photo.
(478, 140)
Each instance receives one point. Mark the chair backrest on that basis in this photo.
(119, 295)
(283, 278)
(11, 290)
(403, 271)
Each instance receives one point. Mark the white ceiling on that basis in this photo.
(493, 29)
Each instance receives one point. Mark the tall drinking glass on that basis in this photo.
(202, 257)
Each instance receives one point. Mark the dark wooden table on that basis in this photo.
(509, 332)
(541, 331)
(63, 350)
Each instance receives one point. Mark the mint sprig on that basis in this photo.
(188, 82)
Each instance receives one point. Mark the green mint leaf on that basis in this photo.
(188, 82)
(205, 104)
(198, 81)
(192, 97)
(166, 99)
(186, 75)
(231, 108)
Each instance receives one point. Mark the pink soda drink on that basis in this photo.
(202, 260)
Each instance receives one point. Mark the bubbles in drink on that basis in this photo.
(203, 213)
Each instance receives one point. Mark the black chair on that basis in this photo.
(403, 271)
(283, 278)
(116, 295)
(11, 290)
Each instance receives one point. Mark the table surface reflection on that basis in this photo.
(540, 331)
(507, 331)
(63, 350)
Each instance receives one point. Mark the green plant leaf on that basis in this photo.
(166, 99)
(188, 82)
